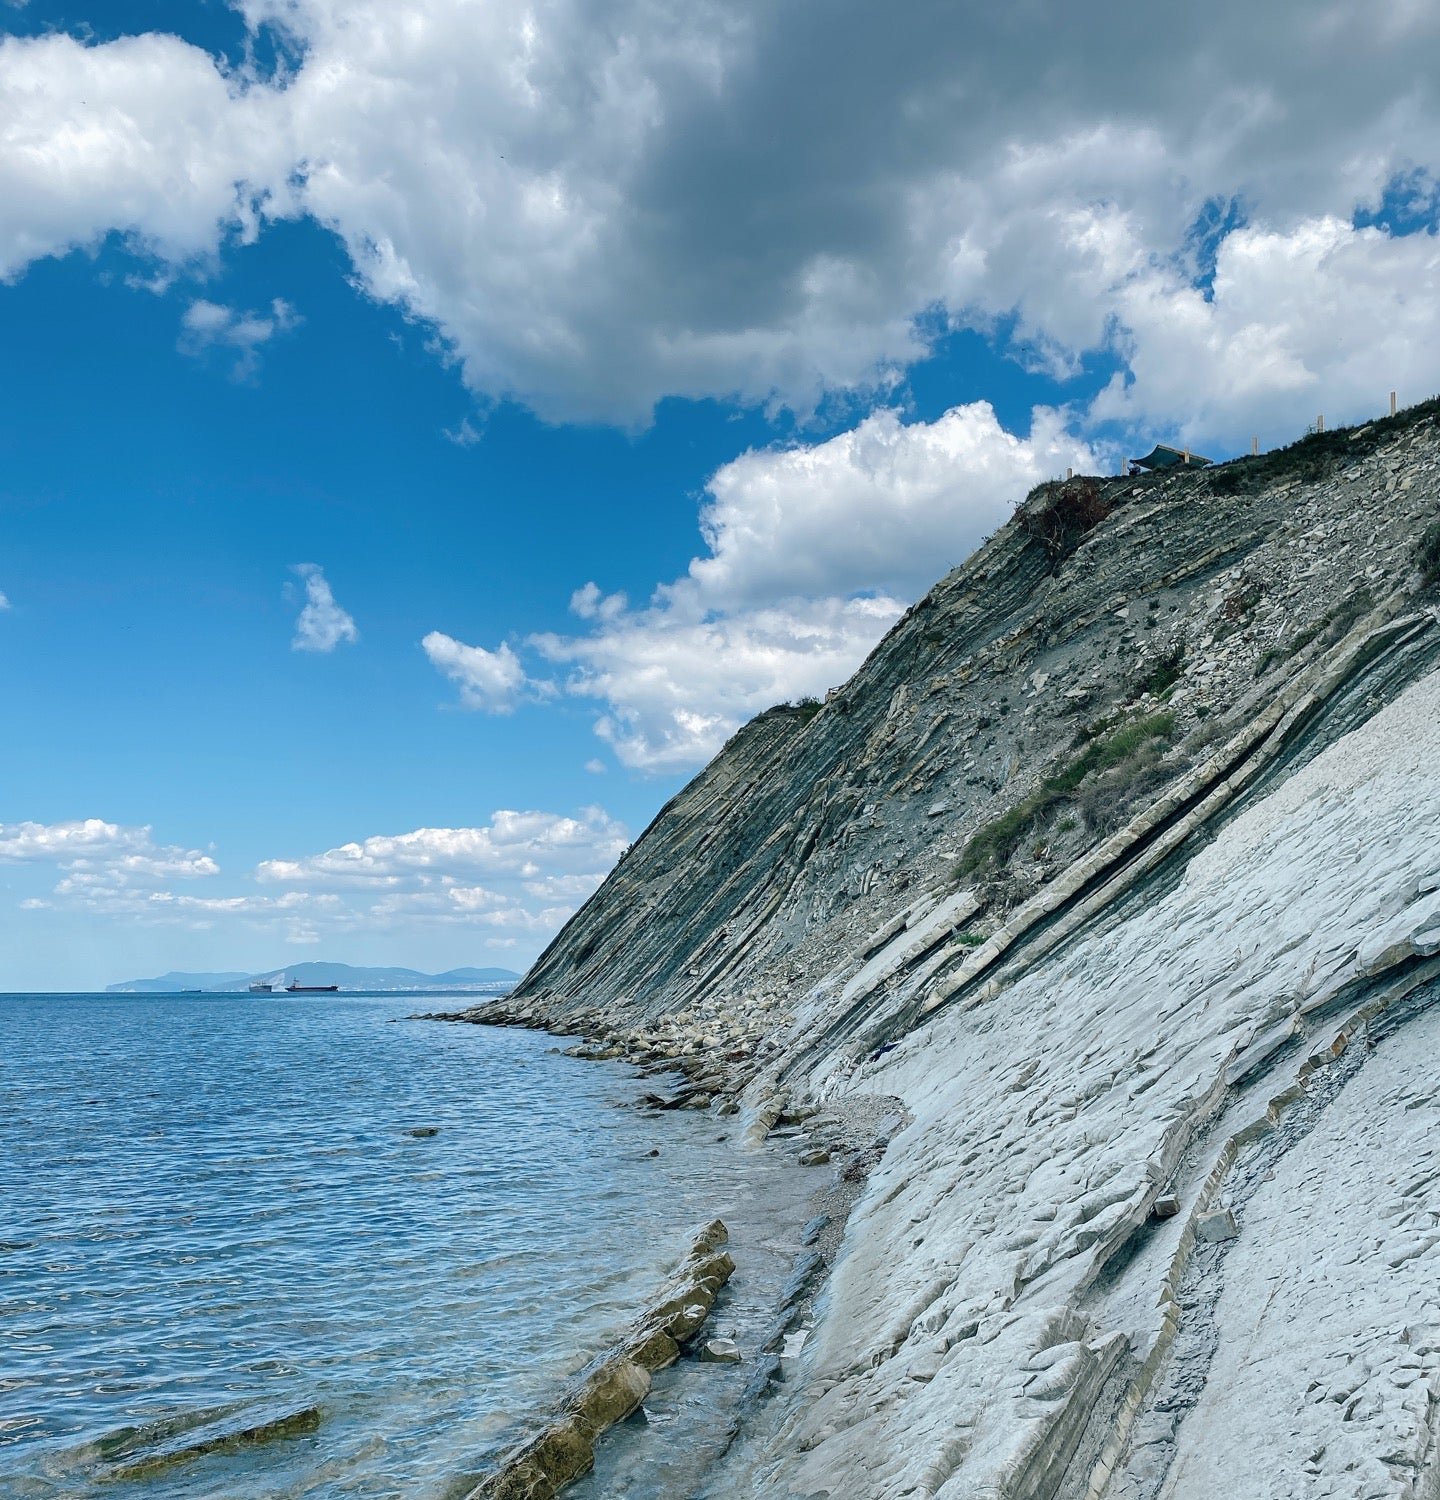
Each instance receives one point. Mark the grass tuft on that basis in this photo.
(1427, 554)
(1132, 745)
(807, 708)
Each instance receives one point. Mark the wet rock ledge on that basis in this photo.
(615, 1384)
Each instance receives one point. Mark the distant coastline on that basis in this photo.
(347, 978)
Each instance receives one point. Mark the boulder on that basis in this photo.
(721, 1352)
(1216, 1226)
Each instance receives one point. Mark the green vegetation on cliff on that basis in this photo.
(1126, 751)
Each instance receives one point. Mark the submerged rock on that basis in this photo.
(614, 1387)
(290, 1425)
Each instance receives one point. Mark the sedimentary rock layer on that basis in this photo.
(1012, 1318)
(543, 1463)
(1118, 863)
(1190, 605)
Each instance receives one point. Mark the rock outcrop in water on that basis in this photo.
(539, 1467)
(1119, 863)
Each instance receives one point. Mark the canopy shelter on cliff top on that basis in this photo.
(1163, 457)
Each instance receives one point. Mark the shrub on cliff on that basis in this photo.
(807, 708)
(1127, 759)
(1059, 518)
(1427, 554)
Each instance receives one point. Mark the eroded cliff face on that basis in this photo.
(1256, 1046)
(1178, 609)
(1119, 864)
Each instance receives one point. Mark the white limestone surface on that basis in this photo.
(966, 1335)
(1326, 1375)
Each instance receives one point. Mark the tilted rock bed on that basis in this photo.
(1195, 596)
(614, 1385)
(1116, 863)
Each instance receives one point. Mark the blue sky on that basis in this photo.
(658, 318)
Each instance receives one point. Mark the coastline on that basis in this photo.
(483, 1260)
(702, 1411)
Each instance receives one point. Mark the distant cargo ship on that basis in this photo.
(259, 987)
(311, 989)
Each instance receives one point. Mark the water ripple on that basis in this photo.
(213, 1207)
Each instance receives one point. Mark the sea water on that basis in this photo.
(213, 1213)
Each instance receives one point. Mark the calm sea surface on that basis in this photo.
(211, 1215)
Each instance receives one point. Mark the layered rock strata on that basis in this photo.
(541, 1465)
(1203, 596)
(1118, 864)
(1012, 1318)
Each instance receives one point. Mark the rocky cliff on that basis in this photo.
(1119, 863)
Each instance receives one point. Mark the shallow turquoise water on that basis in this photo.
(210, 1210)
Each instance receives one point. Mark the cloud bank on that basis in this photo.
(602, 205)
(514, 879)
(599, 206)
(102, 866)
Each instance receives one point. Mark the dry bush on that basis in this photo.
(1061, 517)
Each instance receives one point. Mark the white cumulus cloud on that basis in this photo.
(93, 844)
(490, 681)
(322, 624)
(524, 844)
(1322, 318)
(675, 685)
(144, 135)
(513, 880)
(102, 865)
(885, 506)
(813, 552)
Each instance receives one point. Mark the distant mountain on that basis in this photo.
(347, 976)
(460, 976)
(176, 983)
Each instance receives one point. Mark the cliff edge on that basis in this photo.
(1117, 862)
